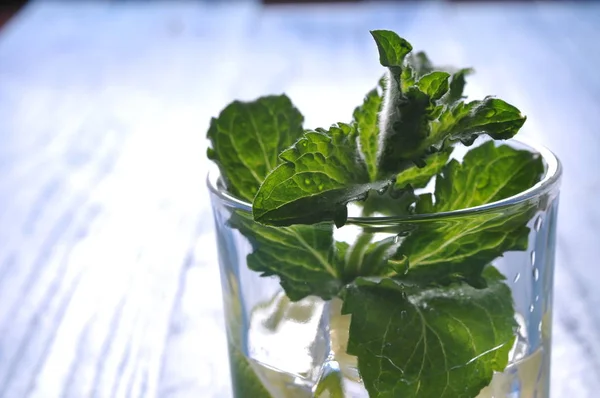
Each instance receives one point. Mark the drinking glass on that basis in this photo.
(283, 347)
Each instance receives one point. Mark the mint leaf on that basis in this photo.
(330, 385)
(434, 84)
(245, 381)
(457, 85)
(487, 174)
(303, 257)
(465, 121)
(366, 118)
(419, 177)
(460, 249)
(392, 48)
(420, 64)
(421, 342)
(398, 199)
(321, 173)
(247, 138)
(464, 246)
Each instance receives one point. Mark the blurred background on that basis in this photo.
(109, 283)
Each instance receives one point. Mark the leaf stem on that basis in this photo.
(355, 256)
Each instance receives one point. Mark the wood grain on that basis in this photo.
(109, 285)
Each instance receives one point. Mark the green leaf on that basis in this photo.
(245, 381)
(457, 85)
(247, 138)
(465, 121)
(367, 121)
(462, 246)
(303, 257)
(420, 64)
(392, 48)
(397, 200)
(408, 79)
(321, 173)
(405, 130)
(393, 202)
(487, 174)
(421, 342)
(419, 177)
(421, 126)
(330, 385)
(434, 84)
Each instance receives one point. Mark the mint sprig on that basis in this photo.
(422, 115)
(430, 315)
(419, 116)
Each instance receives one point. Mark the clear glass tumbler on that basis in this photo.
(283, 347)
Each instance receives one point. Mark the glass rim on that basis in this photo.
(550, 180)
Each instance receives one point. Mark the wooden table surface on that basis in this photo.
(109, 285)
